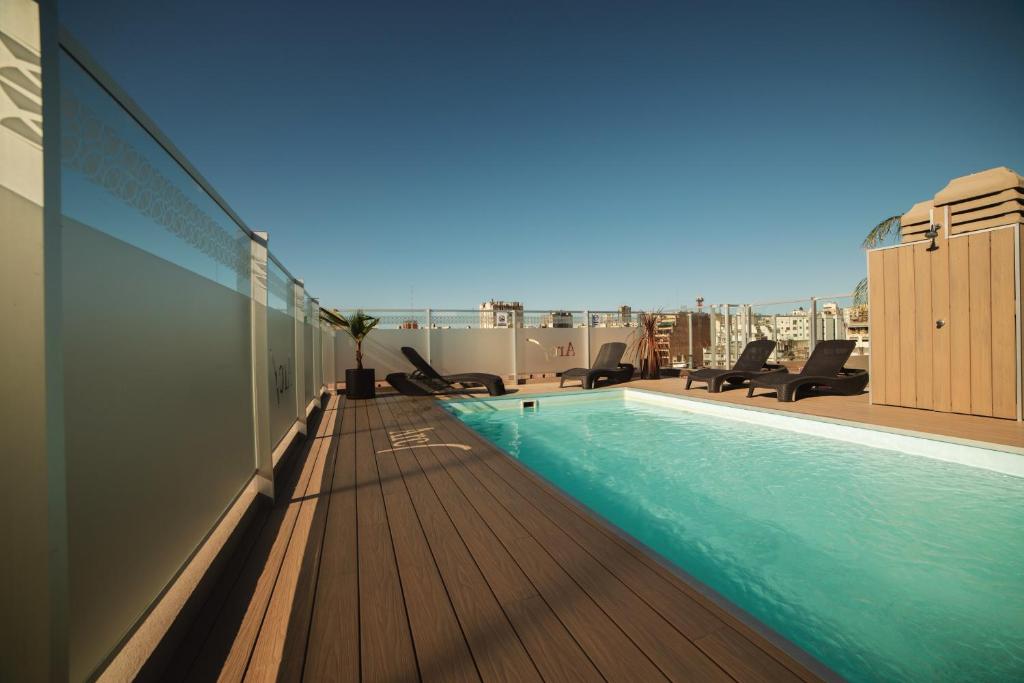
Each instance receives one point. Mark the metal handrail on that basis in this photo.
(81, 56)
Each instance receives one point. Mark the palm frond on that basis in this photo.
(882, 232)
(860, 293)
(330, 317)
(358, 324)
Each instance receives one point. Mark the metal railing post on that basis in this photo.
(318, 355)
(728, 336)
(713, 333)
(689, 339)
(515, 348)
(812, 333)
(299, 290)
(747, 322)
(775, 337)
(263, 448)
(429, 327)
(586, 336)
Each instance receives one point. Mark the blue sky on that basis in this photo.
(571, 154)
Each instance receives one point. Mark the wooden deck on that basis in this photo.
(403, 547)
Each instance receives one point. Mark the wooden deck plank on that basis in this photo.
(668, 648)
(438, 639)
(280, 650)
(228, 647)
(333, 644)
(688, 611)
(669, 576)
(495, 645)
(616, 656)
(386, 650)
(554, 652)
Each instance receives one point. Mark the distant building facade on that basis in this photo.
(501, 314)
(557, 319)
(673, 338)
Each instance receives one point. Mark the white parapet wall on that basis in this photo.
(508, 352)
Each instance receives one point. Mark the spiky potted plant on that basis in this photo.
(645, 345)
(359, 381)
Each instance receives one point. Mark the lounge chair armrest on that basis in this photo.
(851, 372)
(774, 366)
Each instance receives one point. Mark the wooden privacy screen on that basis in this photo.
(969, 363)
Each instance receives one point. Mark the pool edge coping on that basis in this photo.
(898, 431)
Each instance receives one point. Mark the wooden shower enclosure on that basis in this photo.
(945, 320)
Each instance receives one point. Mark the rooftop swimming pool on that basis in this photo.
(885, 556)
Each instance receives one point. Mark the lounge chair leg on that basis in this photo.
(688, 381)
(750, 391)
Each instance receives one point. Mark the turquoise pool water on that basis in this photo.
(883, 566)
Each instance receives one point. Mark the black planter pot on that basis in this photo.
(645, 373)
(359, 383)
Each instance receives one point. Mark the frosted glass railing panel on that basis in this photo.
(604, 335)
(329, 356)
(117, 179)
(551, 350)
(280, 289)
(318, 358)
(308, 369)
(157, 367)
(478, 350)
(280, 351)
(382, 351)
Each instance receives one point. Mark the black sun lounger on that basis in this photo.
(751, 363)
(823, 370)
(426, 381)
(606, 367)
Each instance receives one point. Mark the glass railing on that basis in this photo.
(158, 358)
(542, 343)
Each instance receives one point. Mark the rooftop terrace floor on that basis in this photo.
(405, 547)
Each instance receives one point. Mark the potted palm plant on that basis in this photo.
(359, 381)
(645, 345)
